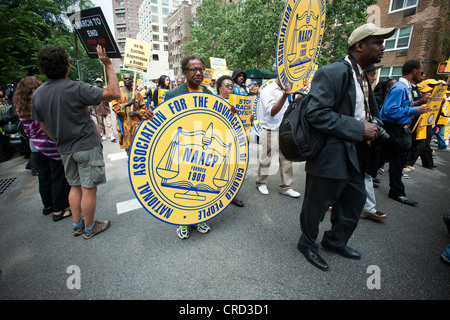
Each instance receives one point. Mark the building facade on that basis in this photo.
(126, 24)
(153, 17)
(178, 28)
(421, 26)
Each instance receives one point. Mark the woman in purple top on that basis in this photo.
(53, 186)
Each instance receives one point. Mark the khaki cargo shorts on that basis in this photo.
(85, 168)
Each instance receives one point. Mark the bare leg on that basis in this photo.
(88, 204)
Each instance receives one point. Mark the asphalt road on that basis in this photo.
(250, 253)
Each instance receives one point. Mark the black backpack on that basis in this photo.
(298, 140)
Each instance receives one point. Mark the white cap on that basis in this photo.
(367, 30)
(98, 79)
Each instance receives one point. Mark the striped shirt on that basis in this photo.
(40, 140)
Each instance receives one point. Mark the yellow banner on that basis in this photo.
(435, 102)
(219, 65)
(207, 76)
(244, 105)
(137, 55)
(161, 95)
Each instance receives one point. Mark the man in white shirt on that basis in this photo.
(274, 102)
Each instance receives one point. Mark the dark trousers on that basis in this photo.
(396, 150)
(347, 197)
(53, 186)
(423, 149)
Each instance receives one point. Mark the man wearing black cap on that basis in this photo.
(334, 178)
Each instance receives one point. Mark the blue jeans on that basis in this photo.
(440, 139)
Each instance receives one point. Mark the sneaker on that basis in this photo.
(405, 176)
(263, 189)
(103, 138)
(113, 139)
(291, 193)
(183, 232)
(98, 227)
(202, 227)
(78, 231)
(411, 168)
(407, 169)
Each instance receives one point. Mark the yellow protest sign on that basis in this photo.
(137, 55)
(219, 65)
(447, 131)
(187, 164)
(161, 95)
(299, 41)
(207, 76)
(444, 113)
(243, 104)
(435, 102)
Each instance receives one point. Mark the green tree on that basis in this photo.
(245, 34)
(342, 17)
(26, 26)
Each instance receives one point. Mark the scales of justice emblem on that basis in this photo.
(203, 153)
(188, 162)
(303, 44)
(299, 41)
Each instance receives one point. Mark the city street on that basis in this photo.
(249, 254)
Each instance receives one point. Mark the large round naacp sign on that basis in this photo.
(299, 41)
(187, 164)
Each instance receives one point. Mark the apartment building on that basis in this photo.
(153, 17)
(178, 31)
(420, 29)
(126, 24)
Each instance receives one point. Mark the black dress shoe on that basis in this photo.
(404, 200)
(313, 257)
(237, 202)
(346, 252)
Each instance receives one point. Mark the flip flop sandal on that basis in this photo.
(58, 217)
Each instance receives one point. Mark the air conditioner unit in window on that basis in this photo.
(409, 12)
(402, 53)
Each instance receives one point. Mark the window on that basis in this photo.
(400, 39)
(155, 37)
(155, 46)
(155, 28)
(155, 57)
(397, 5)
(392, 71)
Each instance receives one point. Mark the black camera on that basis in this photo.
(382, 135)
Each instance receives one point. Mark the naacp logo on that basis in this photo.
(190, 160)
(299, 41)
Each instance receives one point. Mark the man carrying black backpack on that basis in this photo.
(334, 178)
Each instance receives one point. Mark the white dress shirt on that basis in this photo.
(360, 109)
(268, 97)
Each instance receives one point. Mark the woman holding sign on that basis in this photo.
(224, 88)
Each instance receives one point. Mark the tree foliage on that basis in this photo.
(28, 25)
(245, 34)
(342, 17)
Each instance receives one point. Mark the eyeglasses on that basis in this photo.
(228, 86)
(195, 70)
